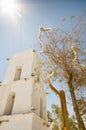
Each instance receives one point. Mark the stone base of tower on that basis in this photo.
(23, 122)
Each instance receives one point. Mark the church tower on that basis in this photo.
(22, 97)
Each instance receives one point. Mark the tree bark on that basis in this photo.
(76, 109)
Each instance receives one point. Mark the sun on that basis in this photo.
(9, 7)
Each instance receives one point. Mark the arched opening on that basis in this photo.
(18, 74)
(9, 104)
(41, 107)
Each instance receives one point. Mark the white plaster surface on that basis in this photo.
(27, 60)
(22, 90)
(28, 92)
(23, 122)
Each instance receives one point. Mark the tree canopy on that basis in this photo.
(65, 53)
(55, 117)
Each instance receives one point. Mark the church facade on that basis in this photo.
(22, 96)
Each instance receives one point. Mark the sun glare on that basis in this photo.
(9, 7)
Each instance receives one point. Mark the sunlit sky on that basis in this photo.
(19, 31)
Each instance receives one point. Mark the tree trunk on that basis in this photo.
(76, 109)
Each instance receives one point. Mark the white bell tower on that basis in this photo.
(22, 97)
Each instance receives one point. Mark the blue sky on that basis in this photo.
(22, 34)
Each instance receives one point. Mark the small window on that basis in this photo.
(17, 74)
(9, 104)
